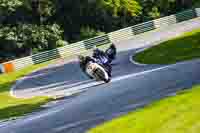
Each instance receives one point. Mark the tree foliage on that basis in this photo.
(9, 6)
(31, 26)
(29, 38)
(87, 32)
(117, 7)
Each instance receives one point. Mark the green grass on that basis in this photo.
(12, 107)
(183, 48)
(179, 114)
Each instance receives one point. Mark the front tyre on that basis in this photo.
(107, 80)
(103, 76)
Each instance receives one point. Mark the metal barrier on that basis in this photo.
(72, 49)
(120, 35)
(1, 69)
(197, 10)
(113, 37)
(144, 27)
(166, 21)
(97, 41)
(186, 15)
(22, 62)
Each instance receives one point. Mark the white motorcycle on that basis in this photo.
(97, 72)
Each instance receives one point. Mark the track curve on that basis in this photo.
(132, 87)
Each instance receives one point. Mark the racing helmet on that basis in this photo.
(112, 46)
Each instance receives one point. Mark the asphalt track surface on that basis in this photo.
(132, 87)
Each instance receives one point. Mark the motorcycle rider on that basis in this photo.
(102, 59)
(99, 57)
(111, 52)
(99, 54)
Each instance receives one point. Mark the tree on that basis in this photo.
(36, 25)
(154, 13)
(183, 4)
(116, 7)
(28, 37)
(40, 9)
(195, 3)
(40, 38)
(8, 6)
(88, 32)
(166, 7)
(68, 14)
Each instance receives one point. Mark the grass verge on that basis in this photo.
(12, 107)
(183, 48)
(179, 114)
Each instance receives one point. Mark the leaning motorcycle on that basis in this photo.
(97, 72)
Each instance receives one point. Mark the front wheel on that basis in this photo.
(107, 80)
(102, 76)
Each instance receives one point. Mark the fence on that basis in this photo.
(113, 37)
(197, 10)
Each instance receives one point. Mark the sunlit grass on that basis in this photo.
(179, 114)
(183, 48)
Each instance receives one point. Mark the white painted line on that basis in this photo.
(4, 123)
(29, 118)
(140, 73)
(79, 89)
(134, 62)
(55, 86)
(18, 82)
(138, 51)
(14, 86)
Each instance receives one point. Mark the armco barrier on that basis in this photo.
(1, 68)
(120, 35)
(186, 15)
(96, 41)
(151, 25)
(45, 56)
(72, 49)
(144, 27)
(166, 21)
(197, 10)
(22, 62)
(113, 37)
